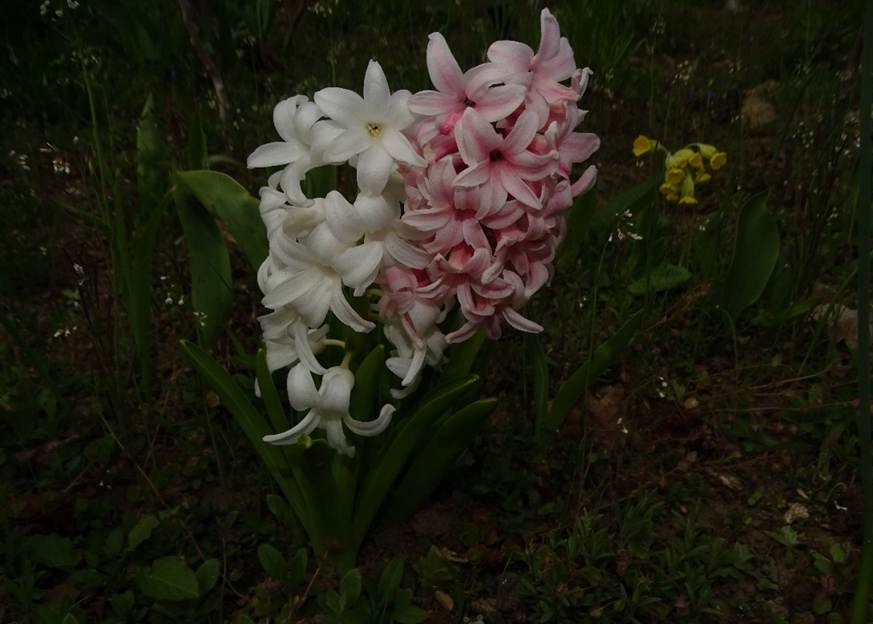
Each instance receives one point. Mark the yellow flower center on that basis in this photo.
(374, 129)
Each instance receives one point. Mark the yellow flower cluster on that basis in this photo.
(683, 169)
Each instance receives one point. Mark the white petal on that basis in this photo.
(336, 437)
(341, 105)
(301, 388)
(358, 266)
(280, 354)
(273, 154)
(351, 142)
(414, 367)
(314, 306)
(291, 289)
(304, 427)
(346, 314)
(370, 428)
(342, 218)
(304, 349)
(283, 116)
(375, 212)
(376, 90)
(336, 390)
(374, 167)
(396, 144)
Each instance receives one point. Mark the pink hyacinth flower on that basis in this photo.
(500, 165)
(543, 71)
(458, 90)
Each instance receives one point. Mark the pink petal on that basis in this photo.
(522, 133)
(476, 137)
(585, 182)
(434, 103)
(475, 175)
(559, 67)
(474, 236)
(521, 323)
(516, 56)
(428, 219)
(445, 74)
(482, 76)
(550, 35)
(579, 146)
(518, 188)
(499, 102)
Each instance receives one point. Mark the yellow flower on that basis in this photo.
(668, 189)
(672, 197)
(688, 191)
(643, 145)
(702, 178)
(696, 160)
(718, 160)
(707, 150)
(678, 158)
(674, 176)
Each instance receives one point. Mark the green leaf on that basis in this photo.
(54, 551)
(577, 385)
(663, 277)
(198, 152)
(114, 542)
(234, 207)
(140, 291)
(151, 166)
(141, 531)
(269, 394)
(350, 586)
(251, 422)
(207, 575)
(429, 466)
(410, 432)
(755, 256)
(211, 290)
(297, 568)
(273, 562)
(169, 578)
(540, 370)
(461, 357)
(631, 200)
(122, 604)
(579, 219)
(364, 404)
(390, 580)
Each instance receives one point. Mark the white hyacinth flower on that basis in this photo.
(408, 358)
(302, 276)
(295, 120)
(369, 128)
(328, 409)
(377, 221)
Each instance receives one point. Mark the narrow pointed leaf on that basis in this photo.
(270, 396)
(461, 358)
(540, 372)
(578, 383)
(453, 435)
(579, 220)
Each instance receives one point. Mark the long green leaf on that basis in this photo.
(539, 367)
(579, 220)
(757, 250)
(151, 165)
(410, 433)
(270, 395)
(577, 385)
(454, 434)
(140, 294)
(211, 292)
(252, 423)
(461, 358)
(363, 405)
(234, 207)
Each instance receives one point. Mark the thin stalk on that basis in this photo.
(865, 575)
